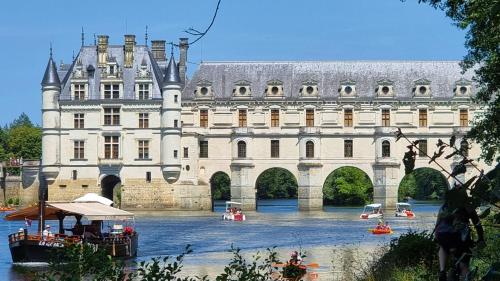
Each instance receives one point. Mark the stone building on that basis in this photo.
(124, 122)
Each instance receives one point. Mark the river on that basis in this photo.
(277, 223)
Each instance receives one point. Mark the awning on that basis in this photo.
(93, 197)
(89, 210)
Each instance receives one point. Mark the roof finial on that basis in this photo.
(73, 55)
(95, 42)
(50, 49)
(83, 37)
(171, 49)
(146, 36)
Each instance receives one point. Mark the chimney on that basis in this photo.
(183, 47)
(129, 50)
(158, 49)
(102, 50)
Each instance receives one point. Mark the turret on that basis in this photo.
(51, 89)
(171, 123)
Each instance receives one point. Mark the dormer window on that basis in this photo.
(203, 89)
(143, 91)
(241, 89)
(347, 88)
(422, 88)
(309, 89)
(79, 91)
(385, 88)
(463, 88)
(274, 89)
(111, 90)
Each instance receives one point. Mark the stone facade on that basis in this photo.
(124, 122)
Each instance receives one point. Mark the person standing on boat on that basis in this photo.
(46, 233)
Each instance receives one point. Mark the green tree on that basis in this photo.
(347, 186)
(423, 184)
(22, 121)
(221, 186)
(481, 20)
(3, 145)
(25, 142)
(276, 183)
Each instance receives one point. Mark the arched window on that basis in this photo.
(386, 149)
(242, 149)
(309, 149)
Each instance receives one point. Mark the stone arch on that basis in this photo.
(427, 181)
(360, 181)
(220, 187)
(289, 185)
(111, 188)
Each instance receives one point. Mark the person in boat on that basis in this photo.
(78, 229)
(386, 226)
(452, 231)
(295, 259)
(380, 225)
(46, 233)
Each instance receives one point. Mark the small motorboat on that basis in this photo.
(381, 230)
(372, 211)
(404, 210)
(233, 212)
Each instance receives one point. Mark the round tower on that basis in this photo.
(171, 123)
(51, 89)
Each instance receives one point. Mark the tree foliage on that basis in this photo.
(481, 20)
(423, 184)
(276, 183)
(347, 186)
(221, 186)
(21, 139)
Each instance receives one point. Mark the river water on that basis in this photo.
(277, 223)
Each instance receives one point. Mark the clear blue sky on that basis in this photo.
(244, 30)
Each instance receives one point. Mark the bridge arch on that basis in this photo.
(347, 185)
(220, 187)
(111, 188)
(423, 183)
(276, 183)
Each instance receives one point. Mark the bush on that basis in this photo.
(412, 256)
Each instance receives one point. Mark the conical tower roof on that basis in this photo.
(172, 76)
(51, 78)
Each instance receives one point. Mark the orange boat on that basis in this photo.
(381, 230)
(6, 209)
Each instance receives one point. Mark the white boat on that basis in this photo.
(404, 210)
(233, 212)
(372, 211)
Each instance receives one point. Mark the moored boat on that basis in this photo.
(372, 211)
(119, 242)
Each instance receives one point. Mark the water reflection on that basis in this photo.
(278, 223)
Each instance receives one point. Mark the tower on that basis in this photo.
(170, 123)
(51, 89)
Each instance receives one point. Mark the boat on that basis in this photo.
(233, 212)
(118, 242)
(381, 230)
(6, 209)
(372, 211)
(404, 210)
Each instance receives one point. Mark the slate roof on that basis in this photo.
(88, 56)
(50, 77)
(442, 75)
